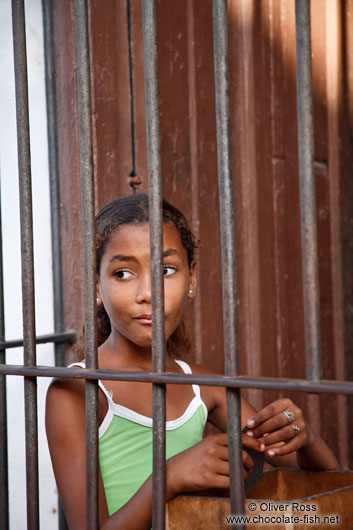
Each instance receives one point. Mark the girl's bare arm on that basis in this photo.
(203, 466)
(298, 446)
(285, 447)
(65, 426)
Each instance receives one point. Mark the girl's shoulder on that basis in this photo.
(213, 396)
(200, 368)
(62, 391)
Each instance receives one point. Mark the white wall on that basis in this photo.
(12, 257)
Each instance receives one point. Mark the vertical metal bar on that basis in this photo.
(4, 483)
(49, 57)
(307, 191)
(229, 290)
(88, 241)
(28, 307)
(156, 239)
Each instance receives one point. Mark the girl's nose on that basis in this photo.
(144, 291)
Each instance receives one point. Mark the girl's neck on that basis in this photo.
(118, 351)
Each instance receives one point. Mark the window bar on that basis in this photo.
(49, 58)
(88, 242)
(28, 306)
(229, 290)
(324, 386)
(53, 176)
(156, 241)
(307, 191)
(56, 338)
(4, 484)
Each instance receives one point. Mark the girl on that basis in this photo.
(125, 408)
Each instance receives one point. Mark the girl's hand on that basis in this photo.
(282, 423)
(205, 465)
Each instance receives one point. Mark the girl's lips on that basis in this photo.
(144, 319)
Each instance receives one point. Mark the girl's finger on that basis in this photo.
(273, 424)
(278, 422)
(282, 435)
(221, 467)
(287, 448)
(221, 438)
(252, 443)
(222, 453)
(221, 481)
(248, 462)
(273, 409)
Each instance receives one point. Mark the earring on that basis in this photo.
(191, 291)
(97, 299)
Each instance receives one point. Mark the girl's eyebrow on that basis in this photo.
(122, 257)
(170, 252)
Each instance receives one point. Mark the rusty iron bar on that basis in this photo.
(229, 288)
(156, 245)
(50, 90)
(26, 221)
(4, 482)
(88, 243)
(263, 383)
(307, 192)
(56, 338)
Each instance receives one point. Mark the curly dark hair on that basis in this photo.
(133, 209)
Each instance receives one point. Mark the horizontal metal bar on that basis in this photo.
(56, 338)
(265, 383)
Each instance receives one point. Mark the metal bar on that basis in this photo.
(131, 83)
(48, 32)
(28, 307)
(264, 383)
(56, 338)
(156, 245)
(229, 289)
(50, 88)
(307, 192)
(88, 242)
(4, 482)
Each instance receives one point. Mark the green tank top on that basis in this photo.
(125, 444)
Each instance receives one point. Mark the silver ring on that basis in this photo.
(289, 415)
(296, 428)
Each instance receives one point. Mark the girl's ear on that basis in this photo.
(192, 281)
(99, 300)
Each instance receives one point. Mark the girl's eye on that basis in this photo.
(123, 275)
(169, 270)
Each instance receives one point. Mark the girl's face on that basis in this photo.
(124, 284)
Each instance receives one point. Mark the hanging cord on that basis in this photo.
(133, 180)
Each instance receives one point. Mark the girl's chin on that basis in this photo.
(142, 342)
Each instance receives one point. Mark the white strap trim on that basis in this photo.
(170, 425)
(105, 391)
(124, 412)
(110, 412)
(187, 370)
